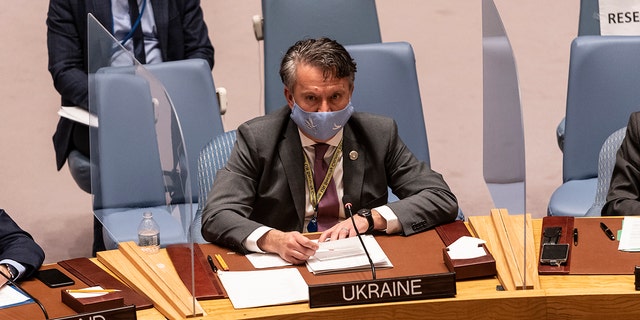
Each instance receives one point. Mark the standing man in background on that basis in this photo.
(155, 30)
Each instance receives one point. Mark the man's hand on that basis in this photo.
(292, 246)
(344, 229)
(5, 272)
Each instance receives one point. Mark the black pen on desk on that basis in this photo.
(607, 231)
(575, 236)
(213, 266)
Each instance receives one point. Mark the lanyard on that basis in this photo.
(314, 197)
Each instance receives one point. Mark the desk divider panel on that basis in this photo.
(506, 240)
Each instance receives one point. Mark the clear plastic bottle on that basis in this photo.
(148, 234)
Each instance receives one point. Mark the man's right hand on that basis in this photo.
(292, 246)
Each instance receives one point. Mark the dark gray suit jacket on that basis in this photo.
(18, 245)
(181, 30)
(623, 198)
(263, 181)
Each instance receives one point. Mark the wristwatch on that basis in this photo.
(13, 272)
(366, 213)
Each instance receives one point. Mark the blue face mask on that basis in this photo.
(321, 126)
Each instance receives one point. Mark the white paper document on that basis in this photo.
(466, 248)
(630, 235)
(10, 296)
(347, 255)
(78, 114)
(248, 289)
(266, 260)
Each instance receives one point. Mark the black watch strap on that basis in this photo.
(13, 272)
(366, 213)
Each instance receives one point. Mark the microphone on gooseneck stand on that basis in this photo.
(347, 205)
(46, 316)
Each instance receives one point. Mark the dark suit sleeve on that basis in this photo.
(66, 53)
(624, 192)
(426, 200)
(18, 245)
(195, 33)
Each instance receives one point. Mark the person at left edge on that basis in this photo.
(20, 255)
(172, 30)
(259, 201)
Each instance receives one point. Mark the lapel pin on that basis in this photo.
(353, 155)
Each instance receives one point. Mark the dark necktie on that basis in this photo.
(138, 37)
(328, 207)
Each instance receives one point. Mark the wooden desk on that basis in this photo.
(561, 297)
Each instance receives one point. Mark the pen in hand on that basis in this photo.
(213, 266)
(607, 231)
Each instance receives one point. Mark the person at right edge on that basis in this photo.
(264, 197)
(623, 198)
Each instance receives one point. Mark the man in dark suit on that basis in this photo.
(266, 196)
(623, 198)
(20, 256)
(175, 27)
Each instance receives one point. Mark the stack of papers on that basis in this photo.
(630, 235)
(347, 255)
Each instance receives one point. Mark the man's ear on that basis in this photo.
(289, 96)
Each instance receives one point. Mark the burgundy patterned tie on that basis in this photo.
(329, 206)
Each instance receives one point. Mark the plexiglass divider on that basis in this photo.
(138, 158)
(503, 148)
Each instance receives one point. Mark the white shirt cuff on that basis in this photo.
(393, 225)
(21, 269)
(251, 242)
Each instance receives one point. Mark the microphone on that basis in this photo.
(347, 206)
(46, 316)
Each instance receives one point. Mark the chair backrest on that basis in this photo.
(192, 91)
(212, 158)
(604, 77)
(589, 20)
(129, 173)
(287, 21)
(387, 84)
(606, 162)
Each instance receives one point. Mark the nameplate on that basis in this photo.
(442, 285)
(121, 313)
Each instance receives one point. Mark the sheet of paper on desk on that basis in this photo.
(10, 296)
(348, 256)
(248, 289)
(630, 235)
(466, 248)
(266, 260)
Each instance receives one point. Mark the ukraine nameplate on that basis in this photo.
(442, 285)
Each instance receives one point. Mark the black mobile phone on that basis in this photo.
(554, 254)
(54, 278)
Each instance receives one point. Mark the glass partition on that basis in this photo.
(503, 151)
(138, 157)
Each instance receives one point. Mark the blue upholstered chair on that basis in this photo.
(284, 22)
(213, 157)
(387, 84)
(127, 174)
(604, 77)
(606, 162)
